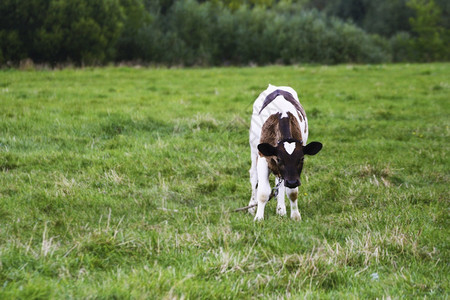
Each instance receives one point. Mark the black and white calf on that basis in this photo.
(278, 135)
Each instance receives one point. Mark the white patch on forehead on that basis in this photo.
(290, 147)
(284, 115)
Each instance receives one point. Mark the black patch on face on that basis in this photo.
(290, 165)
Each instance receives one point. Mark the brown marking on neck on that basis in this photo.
(296, 130)
(288, 96)
(285, 128)
(301, 113)
(306, 123)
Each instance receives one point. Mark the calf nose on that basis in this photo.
(292, 183)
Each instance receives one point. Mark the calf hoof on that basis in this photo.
(296, 216)
(258, 218)
(252, 210)
(281, 211)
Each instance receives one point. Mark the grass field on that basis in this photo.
(119, 183)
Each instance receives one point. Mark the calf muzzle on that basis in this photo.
(292, 183)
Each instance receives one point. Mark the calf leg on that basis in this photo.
(293, 195)
(281, 206)
(254, 183)
(263, 191)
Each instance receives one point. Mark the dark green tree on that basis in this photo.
(136, 17)
(85, 30)
(432, 41)
(20, 20)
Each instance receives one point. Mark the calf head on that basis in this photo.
(288, 156)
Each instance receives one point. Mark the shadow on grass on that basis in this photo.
(120, 124)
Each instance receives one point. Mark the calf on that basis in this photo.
(278, 135)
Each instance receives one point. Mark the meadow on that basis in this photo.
(119, 183)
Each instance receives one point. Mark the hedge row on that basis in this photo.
(187, 33)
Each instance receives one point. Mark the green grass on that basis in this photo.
(120, 182)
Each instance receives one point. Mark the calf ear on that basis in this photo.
(312, 148)
(267, 149)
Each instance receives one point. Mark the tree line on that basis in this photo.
(223, 32)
